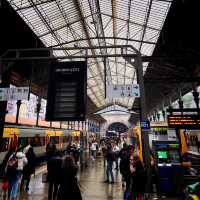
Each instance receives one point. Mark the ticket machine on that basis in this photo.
(168, 166)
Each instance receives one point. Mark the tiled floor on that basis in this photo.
(91, 181)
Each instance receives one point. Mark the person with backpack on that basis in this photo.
(29, 169)
(14, 168)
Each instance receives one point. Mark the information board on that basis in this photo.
(184, 121)
(67, 91)
(14, 93)
(120, 91)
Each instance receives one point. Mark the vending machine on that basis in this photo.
(168, 166)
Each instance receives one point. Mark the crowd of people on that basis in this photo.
(17, 168)
(126, 159)
(19, 164)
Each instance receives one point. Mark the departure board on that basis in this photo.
(184, 121)
(67, 91)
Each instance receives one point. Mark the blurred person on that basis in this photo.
(4, 172)
(29, 169)
(116, 150)
(69, 188)
(54, 166)
(109, 158)
(50, 149)
(94, 149)
(137, 178)
(14, 171)
(124, 165)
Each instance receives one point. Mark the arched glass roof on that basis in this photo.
(89, 23)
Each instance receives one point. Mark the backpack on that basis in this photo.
(12, 163)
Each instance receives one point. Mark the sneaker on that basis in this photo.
(112, 182)
(106, 181)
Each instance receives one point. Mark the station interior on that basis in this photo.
(112, 85)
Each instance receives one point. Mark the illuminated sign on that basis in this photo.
(145, 125)
(184, 121)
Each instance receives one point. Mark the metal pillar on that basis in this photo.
(143, 116)
(196, 98)
(18, 107)
(38, 110)
(5, 82)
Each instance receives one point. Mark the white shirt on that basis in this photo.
(94, 146)
(116, 148)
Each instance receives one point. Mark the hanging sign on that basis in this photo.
(145, 125)
(67, 91)
(120, 91)
(14, 94)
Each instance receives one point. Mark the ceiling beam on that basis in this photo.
(114, 14)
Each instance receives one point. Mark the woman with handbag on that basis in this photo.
(14, 168)
(69, 187)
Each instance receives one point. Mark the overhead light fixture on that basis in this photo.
(132, 60)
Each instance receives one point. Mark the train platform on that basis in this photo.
(91, 183)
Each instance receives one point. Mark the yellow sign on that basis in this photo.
(75, 133)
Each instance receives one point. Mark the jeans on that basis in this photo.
(14, 182)
(109, 170)
(93, 154)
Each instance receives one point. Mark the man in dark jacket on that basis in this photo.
(54, 166)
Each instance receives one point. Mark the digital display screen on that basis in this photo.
(162, 154)
(184, 121)
(67, 91)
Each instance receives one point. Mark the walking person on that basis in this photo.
(94, 149)
(124, 165)
(109, 158)
(116, 150)
(54, 166)
(29, 169)
(69, 188)
(4, 173)
(14, 169)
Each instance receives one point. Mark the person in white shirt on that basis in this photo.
(94, 149)
(14, 173)
(116, 150)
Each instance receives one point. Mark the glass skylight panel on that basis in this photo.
(151, 35)
(85, 7)
(147, 49)
(59, 53)
(63, 18)
(106, 6)
(19, 3)
(155, 15)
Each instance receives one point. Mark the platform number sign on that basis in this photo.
(145, 125)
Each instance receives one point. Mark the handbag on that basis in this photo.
(5, 186)
(12, 163)
(44, 178)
